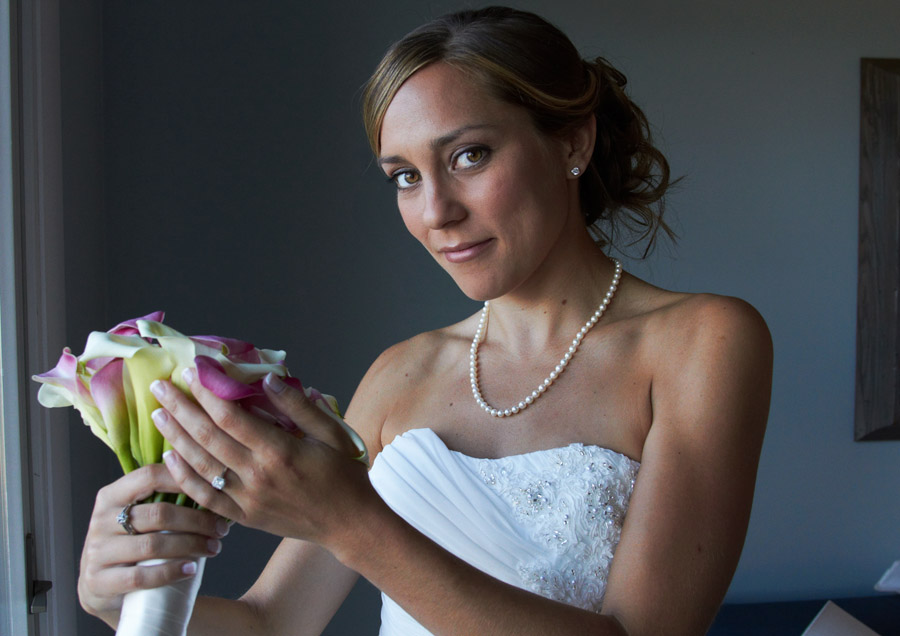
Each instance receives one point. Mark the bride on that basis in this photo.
(578, 457)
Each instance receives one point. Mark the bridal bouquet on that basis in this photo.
(109, 385)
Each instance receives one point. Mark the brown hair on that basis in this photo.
(525, 60)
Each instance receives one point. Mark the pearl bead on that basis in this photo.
(557, 370)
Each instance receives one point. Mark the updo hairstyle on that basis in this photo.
(524, 60)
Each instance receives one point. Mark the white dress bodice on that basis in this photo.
(547, 521)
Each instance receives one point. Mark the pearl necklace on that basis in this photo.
(481, 332)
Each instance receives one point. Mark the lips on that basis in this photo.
(462, 252)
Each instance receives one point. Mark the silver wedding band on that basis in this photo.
(124, 519)
(218, 482)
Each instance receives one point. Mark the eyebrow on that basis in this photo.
(438, 142)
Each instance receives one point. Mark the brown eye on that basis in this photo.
(405, 179)
(471, 157)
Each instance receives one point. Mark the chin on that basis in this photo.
(482, 284)
(480, 291)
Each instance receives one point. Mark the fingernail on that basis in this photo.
(188, 375)
(157, 388)
(189, 568)
(160, 418)
(222, 527)
(214, 546)
(274, 382)
(169, 458)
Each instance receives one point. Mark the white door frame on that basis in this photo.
(34, 442)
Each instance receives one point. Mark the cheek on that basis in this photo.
(411, 218)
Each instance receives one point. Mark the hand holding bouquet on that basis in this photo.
(109, 384)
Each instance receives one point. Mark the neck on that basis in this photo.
(547, 312)
(528, 399)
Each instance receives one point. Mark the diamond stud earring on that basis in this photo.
(575, 171)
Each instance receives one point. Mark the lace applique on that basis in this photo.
(572, 501)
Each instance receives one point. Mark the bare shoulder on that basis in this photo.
(707, 330)
(401, 370)
(711, 372)
(710, 321)
(713, 360)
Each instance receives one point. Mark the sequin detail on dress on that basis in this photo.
(546, 521)
(573, 501)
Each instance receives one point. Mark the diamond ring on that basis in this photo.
(218, 482)
(124, 519)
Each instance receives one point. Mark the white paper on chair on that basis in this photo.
(833, 621)
(890, 582)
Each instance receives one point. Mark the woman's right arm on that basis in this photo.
(298, 592)
(301, 587)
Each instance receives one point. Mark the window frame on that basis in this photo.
(34, 445)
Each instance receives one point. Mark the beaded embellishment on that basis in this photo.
(572, 501)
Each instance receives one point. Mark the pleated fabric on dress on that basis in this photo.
(547, 521)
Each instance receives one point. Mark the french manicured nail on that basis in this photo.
(188, 375)
(160, 418)
(169, 458)
(214, 546)
(222, 527)
(275, 383)
(157, 388)
(189, 568)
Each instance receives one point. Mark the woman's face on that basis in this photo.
(478, 185)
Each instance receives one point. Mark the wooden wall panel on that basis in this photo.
(878, 319)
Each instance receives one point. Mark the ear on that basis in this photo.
(579, 145)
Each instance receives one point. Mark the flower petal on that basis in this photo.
(59, 383)
(130, 328)
(109, 345)
(271, 356)
(109, 396)
(213, 376)
(65, 385)
(145, 366)
(231, 346)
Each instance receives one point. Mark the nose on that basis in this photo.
(442, 205)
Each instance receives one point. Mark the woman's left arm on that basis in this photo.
(682, 535)
(310, 488)
(690, 508)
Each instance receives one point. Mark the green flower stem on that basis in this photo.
(126, 461)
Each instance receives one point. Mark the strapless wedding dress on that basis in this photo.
(547, 521)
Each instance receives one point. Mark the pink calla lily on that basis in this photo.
(213, 377)
(130, 327)
(109, 395)
(66, 385)
(109, 383)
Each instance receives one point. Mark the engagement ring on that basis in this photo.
(218, 481)
(124, 519)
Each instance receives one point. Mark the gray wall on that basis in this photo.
(216, 168)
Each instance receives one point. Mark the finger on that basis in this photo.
(140, 577)
(128, 550)
(307, 416)
(136, 486)
(230, 417)
(159, 517)
(202, 431)
(200, 489)
(201, 462)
